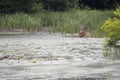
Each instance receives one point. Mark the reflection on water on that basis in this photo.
(112, 52)
(83, 79)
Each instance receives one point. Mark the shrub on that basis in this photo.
(112, 27)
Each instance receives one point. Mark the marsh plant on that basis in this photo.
(19, 21)
(65, 22)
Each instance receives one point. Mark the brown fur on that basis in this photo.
(82, 32)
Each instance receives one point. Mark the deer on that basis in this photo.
(82, 32)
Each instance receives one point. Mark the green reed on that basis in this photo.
(65, 22)
(19, 21)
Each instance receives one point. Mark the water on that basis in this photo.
(112, 53)
(44, 56)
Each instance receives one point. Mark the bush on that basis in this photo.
(112, 27)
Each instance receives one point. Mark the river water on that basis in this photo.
(44, 56)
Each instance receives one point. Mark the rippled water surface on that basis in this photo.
(44, 56)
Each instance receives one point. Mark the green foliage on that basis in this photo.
(12, 6)
(83, 4)
(65, 22)
(70, 21)
(112, 27)
(36, 7)
(117, 11)
(59, 5)
(20, 21)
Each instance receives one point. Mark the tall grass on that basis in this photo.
(65, 22)
(70, 21)
(20, 21)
